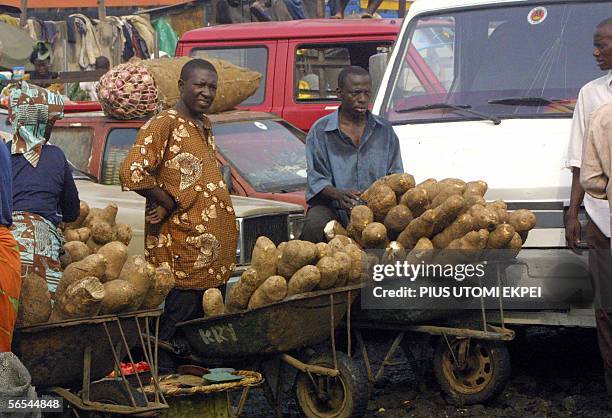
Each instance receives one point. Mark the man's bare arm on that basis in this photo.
(572, 225)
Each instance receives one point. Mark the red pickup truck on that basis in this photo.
(300, 60)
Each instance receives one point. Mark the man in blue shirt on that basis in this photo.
(346, 152)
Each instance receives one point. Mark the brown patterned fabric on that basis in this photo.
(198, 240)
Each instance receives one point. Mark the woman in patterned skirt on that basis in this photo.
(44, 192)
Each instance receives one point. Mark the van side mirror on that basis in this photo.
(377, 65)
(226, 172)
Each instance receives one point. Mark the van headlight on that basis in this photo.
(295, 225)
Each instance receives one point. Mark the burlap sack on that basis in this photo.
(235, 83)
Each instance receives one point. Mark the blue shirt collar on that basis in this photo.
(333, 123)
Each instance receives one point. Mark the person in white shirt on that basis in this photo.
(593, 96)
(101, 63)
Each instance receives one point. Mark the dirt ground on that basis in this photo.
(555, 373)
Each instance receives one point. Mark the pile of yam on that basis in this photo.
(405, 219)
(291, 268)
(98, 276)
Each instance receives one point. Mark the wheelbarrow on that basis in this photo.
(471, 361)
(72, 358)
(326, 384)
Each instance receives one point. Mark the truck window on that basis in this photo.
(118, 144)
(274, 162)
(253, 58)
(317, 67)
(76, 143)
(480, 58)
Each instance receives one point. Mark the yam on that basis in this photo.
(273, 289)
(458, 228)
(397, 220)
(416, 199)
(445, 190)
(447, 212)
(212, 302)
(484, 217)
(380, 200)
(393, 253)
(80, 234)
(361, 216)
(400, 183)
(501, 236)
(65, 259)
(164, 283)
(329, 269)
(345, 263)
(76, 250)
(102, 233)
(108, 215)
(375, 236)
(119, 296)
(279, 251)
(334, 228)
(83, 298)
(338, 243)
(500, 208)
(34, 301)
(116, 254)
(241, 292)
(93, 246)
(263, 258)
(423, 226)
(304, 280)
(297, 254)
(473, 240)
(354, 234)
(357, 259)
(140, 274)
(324, 250)
(92, 265)
(471, 200)
(123, 233)
(478, 188)
(514, 245)
(422, 252)
(457, 184)
(83, 213)
(522, 220)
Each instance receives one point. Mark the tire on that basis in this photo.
(483, 376)
(344, 396)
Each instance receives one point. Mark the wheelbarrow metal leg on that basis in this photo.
(364, 354)
(304, 368)
(387, 361)
(86, 373)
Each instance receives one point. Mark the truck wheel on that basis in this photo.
(472, 371)
(344, 396)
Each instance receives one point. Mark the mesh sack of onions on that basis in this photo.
(128, 91)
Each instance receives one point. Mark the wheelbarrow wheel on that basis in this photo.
(344, 396)
(471, 371)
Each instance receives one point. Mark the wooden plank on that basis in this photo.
(72, 77)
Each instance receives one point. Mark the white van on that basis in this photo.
(490, 95)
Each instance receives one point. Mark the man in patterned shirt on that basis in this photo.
(190, 225)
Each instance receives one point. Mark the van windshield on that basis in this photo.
(510, 61)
